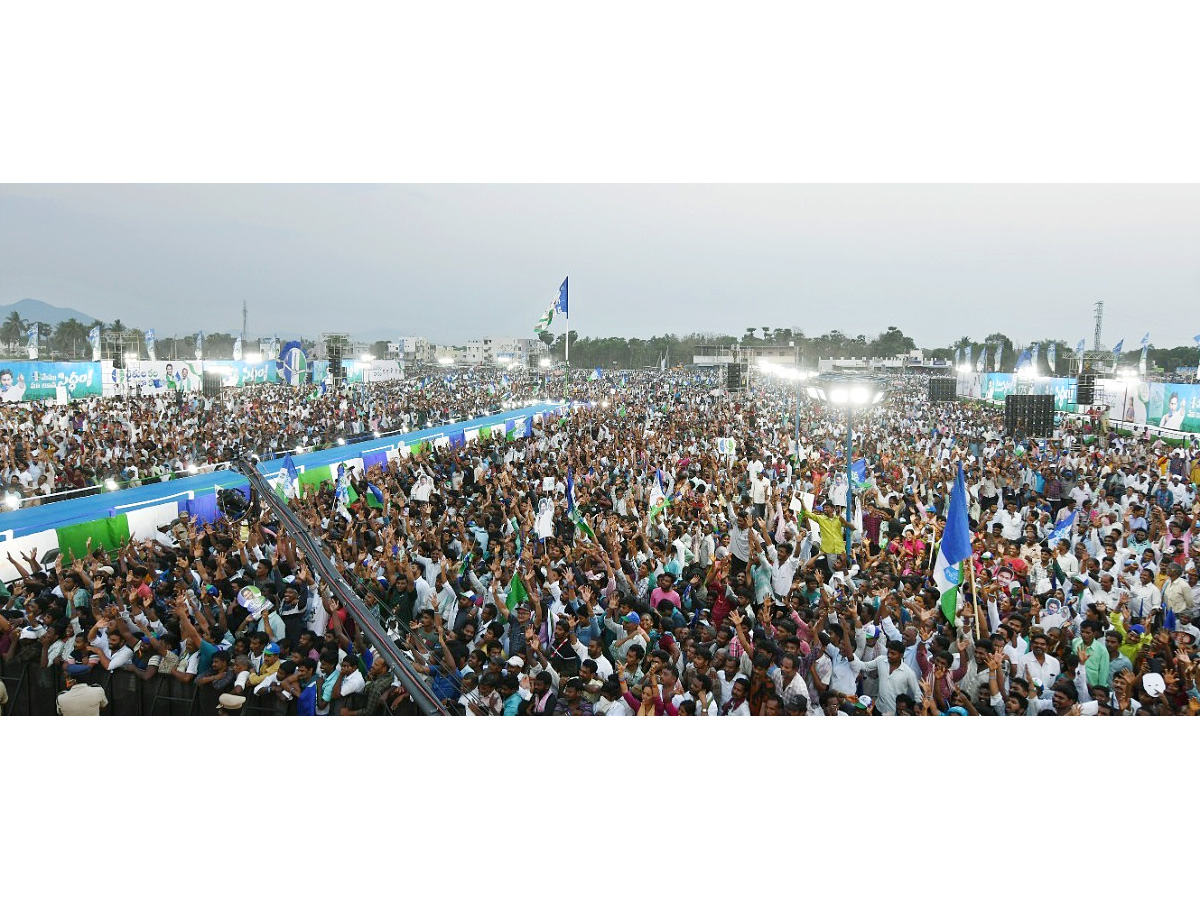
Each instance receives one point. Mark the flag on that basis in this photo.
(1142, 361)
(465, 564)
(1034, 355)
(981, 366)
(858, 472)
(1025, 359)
(658, 498)
(1197, 339)
(94, 340)
(1061, 531)
(1146, 339)
(1120, 344)
(955, 547)
(560, 305)
(1051, 356)
(237, 348)
(287, 480)
(596, 373)
(572, 513)
(375, 497)
(150, 340)
(999, 353)
(199, 344)
(969, 353)
(516, 592)
(32, 340)
(543, 324)
(957, 357)
(1079, 348)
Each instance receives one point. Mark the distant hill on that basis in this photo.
(40, 311)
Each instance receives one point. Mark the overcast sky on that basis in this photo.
(457, 262)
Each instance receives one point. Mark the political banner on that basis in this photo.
(150, 376)
(40, 379)
(382, 370)
(239, 373)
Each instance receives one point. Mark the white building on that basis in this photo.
(414, 349)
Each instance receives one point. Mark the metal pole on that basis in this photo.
(797, 439)
(849, 482)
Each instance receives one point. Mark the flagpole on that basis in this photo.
(974, 594)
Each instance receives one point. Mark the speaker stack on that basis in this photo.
(1085, 389)
(943, 389)
(735, 377)
(336, 369)
(1032, 415)
(211, 384)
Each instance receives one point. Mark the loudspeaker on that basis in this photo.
(1032, 415)
(1085, 389)
(942, 389)
(119, 361)
(336, 369)
(211, 384)
(735, 377)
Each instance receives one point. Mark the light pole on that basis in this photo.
(848, 393)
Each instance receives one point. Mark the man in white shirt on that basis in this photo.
(1037, 665)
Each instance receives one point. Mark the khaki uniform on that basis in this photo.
(82, 700)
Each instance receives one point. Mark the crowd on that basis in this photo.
(669, 550)
(47, 450)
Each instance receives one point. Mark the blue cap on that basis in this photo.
(632, 618)
(272, 649)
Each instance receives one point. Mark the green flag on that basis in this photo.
(516, 592)
(110, 533)
(583, 526)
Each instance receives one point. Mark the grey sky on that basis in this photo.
(456, 262)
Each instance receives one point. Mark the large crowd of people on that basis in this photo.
(127, 441)
(667, 548)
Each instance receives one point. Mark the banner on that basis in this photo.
(150, 344)
(40, 379)
(151, 376)
(382, 370)
(239, 373)
(292, 363)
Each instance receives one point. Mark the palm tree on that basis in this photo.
(13, 330)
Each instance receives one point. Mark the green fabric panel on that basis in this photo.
(108, 533)
(485, 432)
(316, 475)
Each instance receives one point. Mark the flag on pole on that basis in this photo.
(1052, 356)
(516, 592)
(955, 547)
(572, 512)
(199, 344)
(560, 305)
(595, 376)
(543, 324)
(31, 337)
(1079, 348)
(94, 340)
(858, 472)
(1025, 359)
(1145, 339)
(287, 482)
(999, 353)
(375, 496)
(1061, 531)
(237, 348)
(981, 366)
(1119, 346)
(1033, 360)
(150, 344)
